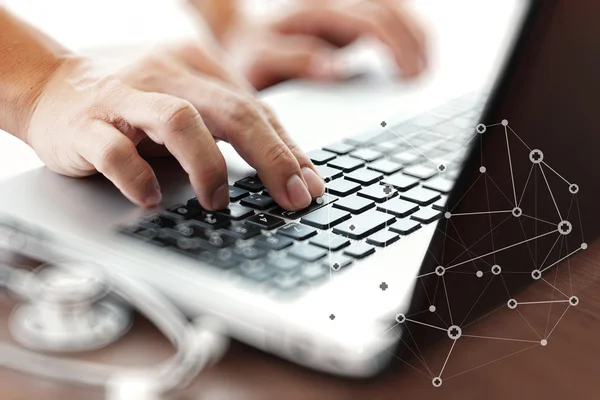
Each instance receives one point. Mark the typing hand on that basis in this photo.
(300, 43)
(92, 118)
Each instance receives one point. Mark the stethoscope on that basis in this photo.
(72, 307)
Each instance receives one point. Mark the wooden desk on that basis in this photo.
(566, 368)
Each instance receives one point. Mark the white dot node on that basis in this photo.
(512, 304)
(482, 169)
(517, 212)
(536, 274)
(439, 270)
(573, 300)
(496, 269)
(543, 342)
(436, 382)
(432, 308)
(564, 227)
(504, 122)
(583, 246)
(479, 274)
(454, 332)
(319, 200)
(400, 318)
(480, 128)
(573, 188)
(536, 156)
(447, 215)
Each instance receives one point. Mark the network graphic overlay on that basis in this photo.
(517, 222)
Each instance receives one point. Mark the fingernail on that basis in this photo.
(220, 197)
(155, 197)
(316, 186)
(298, 192)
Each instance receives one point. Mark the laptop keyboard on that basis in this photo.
(379, 187)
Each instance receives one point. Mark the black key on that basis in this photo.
(285, 264)
(440, 205)
(257, 201)
(320, 157)
(405, 226)
(421, 196)
(266, 221)
(265, 193)
(383, 238)
(364, 225)
(273, 242)
(251, 184)
(192, 229)
(337, 262)
(367, 155)
(314, 272)
(439, 184)
(378, 193)
(217, 241)
(364, 176)
(251, 252)
(162, 220)
(328, 174)
(342, 187)
(297, 231)
(426, 215)
(315, 205)
(257, 270)
(328, 240)
(236, 193)
(339, 148)
(354, 204)
(236, 212)
(307, 252)
(359, 250)
(398, 208)
(346, 163)
(185, 211)
(400, 182)
(244, 231)
(222, 259)
(420, 171)
(168, 236)
(325, 218)
(212, 220)
(150, 222)
(385, 167)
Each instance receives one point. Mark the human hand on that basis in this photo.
(301, 43)
(92, 118)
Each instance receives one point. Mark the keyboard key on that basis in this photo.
(339, 148)
(236, 212)
(359, 250)
(364, 225)
(367, 138)
(244, 231)
(287, 282)
(421, 196)
(185, 211)
(257, 270)
(307, 252)
(315, 205)
(236, 193)
(212, 220)
(222, 259)
(257, 201)
(420, 171)
(265, 193)
(398, 208)
(385, 167)
(251, 184)
(217, 240)
(192, 229)
(354, 204)
(337, 262)
(406, 157)
(439, 184)
(328, 240)
(325, 218)
(367, 155)
(342, 187)
(327, 173)
(400, 182)
(266, 221)
(426, 215)
(284, 263)
(346, 163)
(314, 272)
(251, 252)
(273, 242)
(383, 238)
(320, 157)
(364, 176)
(427, 120)
(405, 226)
(440, 205)
(378, 193)
(297, 231)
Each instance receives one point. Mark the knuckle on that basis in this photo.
(141, 178)
(241, 113)
(213, 169)
(118, 151)
(176, 116)
(276, 154)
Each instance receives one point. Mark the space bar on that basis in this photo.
(315, 205)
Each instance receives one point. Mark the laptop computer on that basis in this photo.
(322, 287)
